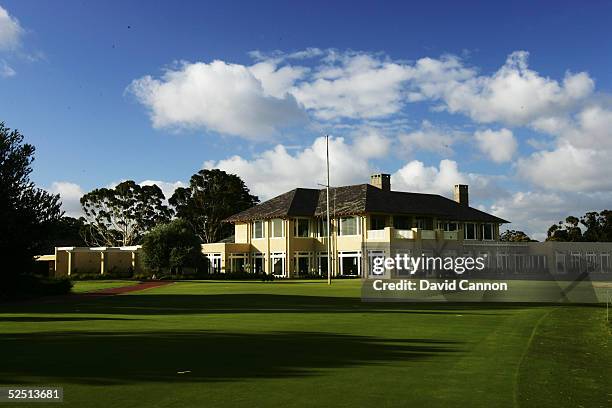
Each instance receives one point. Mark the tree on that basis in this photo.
(66, 231)
(26, 212)
(598, 228)
(120, 216)
(212, 196)
(515, 236)
(171, 246)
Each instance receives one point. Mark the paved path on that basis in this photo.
(125, 289)
(88, 295)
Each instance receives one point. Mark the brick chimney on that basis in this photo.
(461, 194)
(381, 180)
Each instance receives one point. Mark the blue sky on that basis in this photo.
(511, 99)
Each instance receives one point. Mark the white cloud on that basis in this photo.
(415, 176)
(277, 171)
(10, 31)
(70, 194)
(354, 85)
(6, 71)
(581, 156)
(369, 142)
(568, 168)
(499, 145)
(514, 95)
(534, 212)
(431, 138)
(226, 98)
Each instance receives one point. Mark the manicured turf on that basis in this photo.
(293, 344)
(90, 286)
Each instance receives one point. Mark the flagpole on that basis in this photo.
(329, 235)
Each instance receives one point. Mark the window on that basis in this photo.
(278, 263)
(402, 223)
(322, 267)
(258, 229)
(214, 263)
(322, 227)
(519, 263)
(575, 261)
(469, 230)
(378, 222)
(560, 261)
(502, 261)
(258, 262)
(302, 263)
(239, 262)
(487, 232)
(425, 223)
(349, 263)
(605, 262)
(302, 227)
(591, 261)
(278, 228)
(485, 258)
(349, 226)
(372, 255)
(447, 226)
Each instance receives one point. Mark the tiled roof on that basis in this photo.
(361, 199)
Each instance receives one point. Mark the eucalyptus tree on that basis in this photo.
(212, 196)
(123, 214)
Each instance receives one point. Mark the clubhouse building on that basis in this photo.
(287, 236)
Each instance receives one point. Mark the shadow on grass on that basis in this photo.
(43, 319)
(106, 358)
(153, 304)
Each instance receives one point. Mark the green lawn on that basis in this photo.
(294, 344)
(90, 286)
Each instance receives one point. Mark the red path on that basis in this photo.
(126, 289)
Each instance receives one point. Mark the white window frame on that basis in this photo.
(282, 222)
(275, 256)
(320, 257)
(321, 226)
(238, 256)
(349, 254)
(560, 256)
(591, 261)
(482, 227)
(357, 227)
(465, 231)
(295, 227)
(501, 261)
(263, 230)
(575, 260)
(605, 262)
(302, 255)
(258, 255)
(446, 226)
(372, 254)
(214, 263)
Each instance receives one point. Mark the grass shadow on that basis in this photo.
(170, 304)
(106, 358)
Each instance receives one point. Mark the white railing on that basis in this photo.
(428, 234)
(376, 234)
(451, 235)
(404, 234)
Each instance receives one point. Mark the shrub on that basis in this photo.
(172, 247)
(23, 286)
